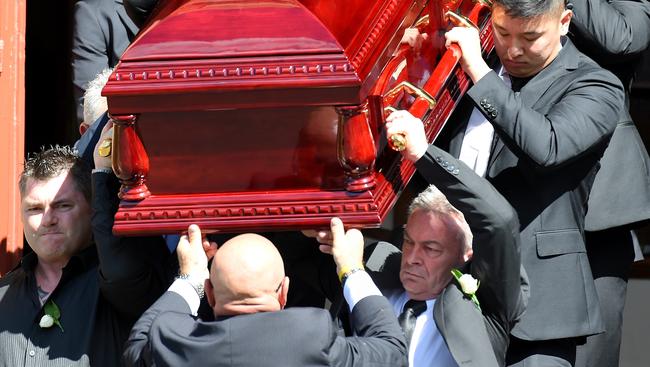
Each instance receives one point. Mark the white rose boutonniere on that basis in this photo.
(51, 316)
(468, 284)
(46, 321)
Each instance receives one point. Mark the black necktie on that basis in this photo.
(412, 309)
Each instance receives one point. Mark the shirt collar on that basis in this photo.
(80, 262)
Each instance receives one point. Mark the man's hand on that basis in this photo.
(107, 135)
(402, 122)
(414, 38)
(471, 60)
(345, 247)
(193, 253)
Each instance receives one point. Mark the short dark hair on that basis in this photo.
(53, 161)
(530, 8)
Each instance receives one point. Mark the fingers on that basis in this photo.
(107, 127)
(183, 243)
(412, 129)
(326, 249)
(354, 236)
(210, 248)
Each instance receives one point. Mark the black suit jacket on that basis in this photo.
(615, 34)
(474, 337)
(551, 135)
(167, 335)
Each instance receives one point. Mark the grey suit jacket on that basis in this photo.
(551, 135)
(474, 337)
(615, 34)
(167, 335)
(103, 30)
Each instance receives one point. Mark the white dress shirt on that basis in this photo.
(427, 347)
(477, 142)
(357, 286)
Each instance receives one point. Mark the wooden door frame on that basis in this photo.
(12, 128)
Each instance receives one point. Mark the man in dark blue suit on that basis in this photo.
(247, 290)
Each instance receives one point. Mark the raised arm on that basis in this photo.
(618, 28)
(494, 224)
(134, 271)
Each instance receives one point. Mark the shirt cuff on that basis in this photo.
(185, 289)
(358, 286)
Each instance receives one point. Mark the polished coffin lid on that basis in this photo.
(264, 115)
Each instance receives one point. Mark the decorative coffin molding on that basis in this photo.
(352, 84)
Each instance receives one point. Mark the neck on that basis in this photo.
(48, 274)
(259, 304)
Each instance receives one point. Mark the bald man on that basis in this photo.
(247, 291)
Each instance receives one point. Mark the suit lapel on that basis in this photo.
(565, 61)
(531, 94)
(462, 326)
(125, 18)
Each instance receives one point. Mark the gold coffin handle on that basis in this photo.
(397, 142)
(459, 20)
(413, 91)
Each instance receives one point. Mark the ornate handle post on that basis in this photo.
(130, 160)
(356, 148)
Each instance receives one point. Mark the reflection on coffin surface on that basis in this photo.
(269, 115)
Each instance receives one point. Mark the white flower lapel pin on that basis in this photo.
(51, 316)
(468, 284)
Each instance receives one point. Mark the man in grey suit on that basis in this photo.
(474, 230)
(537, 128)
(247, 290)
(615, 34)
(103, 30)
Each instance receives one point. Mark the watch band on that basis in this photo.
(197, 284)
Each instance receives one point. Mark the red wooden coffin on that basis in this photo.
(268, 115)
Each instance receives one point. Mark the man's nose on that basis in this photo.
(49, 217)
(514, 51)
(412, 256)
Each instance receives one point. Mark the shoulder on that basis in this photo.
(589, 69)
(11, 277)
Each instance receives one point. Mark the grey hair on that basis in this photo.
(432, 200)
(94, 103)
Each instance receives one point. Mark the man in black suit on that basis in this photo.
(615, 34)
(247, 290)
(539, 125)
(462, 222)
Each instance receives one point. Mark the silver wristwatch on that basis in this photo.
(195, 282)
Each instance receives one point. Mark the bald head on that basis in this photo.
(247, 276)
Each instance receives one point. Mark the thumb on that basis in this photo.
(194, 234)
(338, 232)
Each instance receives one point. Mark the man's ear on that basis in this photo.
(284, 291)
(82, 128)
(209, 292)
(565, 20)
(467, 256)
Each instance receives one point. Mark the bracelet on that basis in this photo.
(102, 170)
(346, 271)
(198, 286)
